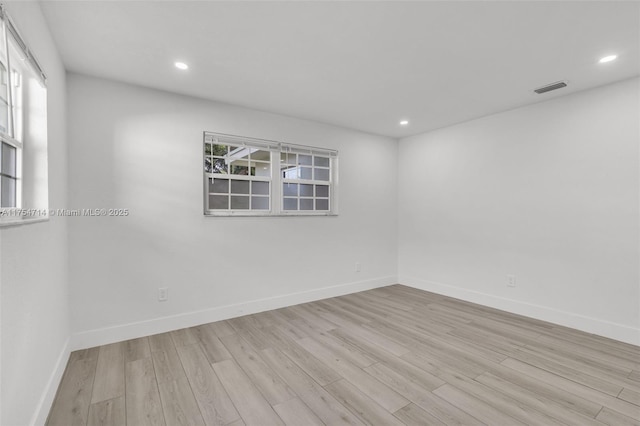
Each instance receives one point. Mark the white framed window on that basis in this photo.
(10, 121)
(306, 180)
(22, 150)
(256, 177)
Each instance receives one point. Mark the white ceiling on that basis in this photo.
(362, 65)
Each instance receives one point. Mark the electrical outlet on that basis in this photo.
(357, 266)
(163, 294)
(511, 280)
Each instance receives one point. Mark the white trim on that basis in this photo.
(48, 395)
(226, 139)
(621, 332)
(22, 45)
(6, 221)
(118, 333)
(4, 137)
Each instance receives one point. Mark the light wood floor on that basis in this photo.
(388, 356)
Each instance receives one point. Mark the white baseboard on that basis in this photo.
(118, 333)
(597, 326)
(49, 393)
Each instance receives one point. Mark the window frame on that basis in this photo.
(13, 136)
(276, 179)
(313, 153)
(28, 208)
(17, 177)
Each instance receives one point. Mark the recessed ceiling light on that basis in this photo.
(181, 66)
(404, 122)
(608, 59)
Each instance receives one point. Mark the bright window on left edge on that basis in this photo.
(10, 124)
(23, 129)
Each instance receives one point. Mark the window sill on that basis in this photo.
(9, 221)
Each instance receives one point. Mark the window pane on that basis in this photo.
(261, 169)
(322, 190)
(240, 167)
(218, 202)
(239, 203)
(239, 153)
(261, 156)
(215, 165)
(321, 161)
(239, 187)
(305, 160)
(306, 190)
(322, 174)
(322, 204)
(8, 160)
(219, 165)
(15, 130)
(291, 204)
(8, 192)
(305, 173)
(207, 149)
(208, 165)
(306, 204)
(220, 185)
(288, 158)
(4, 84)
(290, 189)
(290, 172)
(260, 188)
(259, 203)
(219, 150)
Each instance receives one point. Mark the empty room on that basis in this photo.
(319, 213)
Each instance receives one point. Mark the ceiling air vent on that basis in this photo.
(550, 87)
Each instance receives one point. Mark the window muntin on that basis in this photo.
(250, 176)
(4, 98)
(306, 180)
(8, 175)
(23, 130)
(10, 135)
(238, 175)
(226, 193)
(10, 120)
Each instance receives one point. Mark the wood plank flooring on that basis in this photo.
(389, 356)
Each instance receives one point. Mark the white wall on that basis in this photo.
(548, 192)
(33, 266)
(140, 149)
